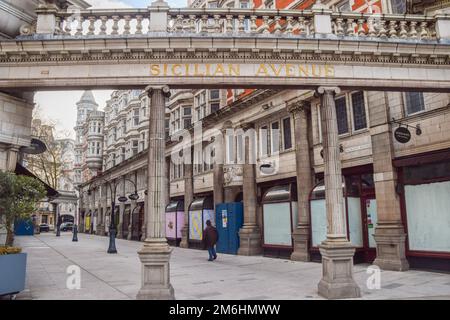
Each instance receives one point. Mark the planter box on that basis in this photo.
(12, 273)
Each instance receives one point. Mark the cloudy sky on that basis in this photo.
(60, 106)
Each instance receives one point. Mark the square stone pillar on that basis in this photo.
(250, 234)
(188, 198)
(300, 111)
(389, 234)
(337, 252)
(155, 253)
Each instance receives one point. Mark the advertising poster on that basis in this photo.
(195, 225)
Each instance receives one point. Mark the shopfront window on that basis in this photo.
(427, 201)
(351, 205)
(279, 215)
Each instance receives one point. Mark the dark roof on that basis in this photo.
(21, 170)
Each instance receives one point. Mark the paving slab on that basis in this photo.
(118, 276)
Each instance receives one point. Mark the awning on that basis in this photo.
(283, 193)
(202, 203)
(21, 170)
(175, 206)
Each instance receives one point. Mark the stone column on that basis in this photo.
(130, 224)
(250, 234)
(300, 111)
(188, 198)
(120, 224)
(389, 234)
(155, 253)
(218, 173)
(337, 251)
(167, 184)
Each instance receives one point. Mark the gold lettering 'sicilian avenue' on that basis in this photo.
(235, 70)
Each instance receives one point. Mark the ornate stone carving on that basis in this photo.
(232, 175)
(299, 106)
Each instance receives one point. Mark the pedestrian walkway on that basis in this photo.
(118, 276)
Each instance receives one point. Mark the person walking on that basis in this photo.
(210, 238)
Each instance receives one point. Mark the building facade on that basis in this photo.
(396, 182)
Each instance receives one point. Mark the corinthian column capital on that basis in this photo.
(152, 89)
(299, 106)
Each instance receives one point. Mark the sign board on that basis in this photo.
(402, 135)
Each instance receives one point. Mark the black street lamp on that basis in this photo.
(112, 226)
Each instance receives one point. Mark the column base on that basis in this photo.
(119, 231)
(100, 230)
(184, 239)
(391, 248)
(337, 271)
(301, 244)
(155, 257)
(250, 241)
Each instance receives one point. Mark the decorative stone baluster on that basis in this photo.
(432, 30)
(179, 23)
(68, 28)
(58, 25)
(301, 26)
(229, 26)
(277, 28)
(115, 27)
(413, 30)
(424, 30)
(139, 19)
(361, 31)
(371, 27)
(350, 28)
(204, 28)
(127, 27)
(104, 20)
(265, 26)
(393, 29)
(80, 21)
(217, 23)
(91, 28)
(253, 25)
(289, 25)
(241, 27)
(382, 33)
(339, 27)
(403, 32)
(192, 19)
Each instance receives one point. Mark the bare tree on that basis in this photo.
(48, 165)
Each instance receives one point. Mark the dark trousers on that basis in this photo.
(212, 253)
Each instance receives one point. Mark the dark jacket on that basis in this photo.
(210, 237)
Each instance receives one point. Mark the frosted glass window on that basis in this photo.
(318, 222)
(428, 216)
(354, 221)
(277, 224)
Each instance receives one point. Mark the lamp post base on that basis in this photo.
(112, 241)
(75, 234)
(155, 257)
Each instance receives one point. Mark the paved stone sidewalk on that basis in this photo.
(106, 276)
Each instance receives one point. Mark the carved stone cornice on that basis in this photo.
(29, 50)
